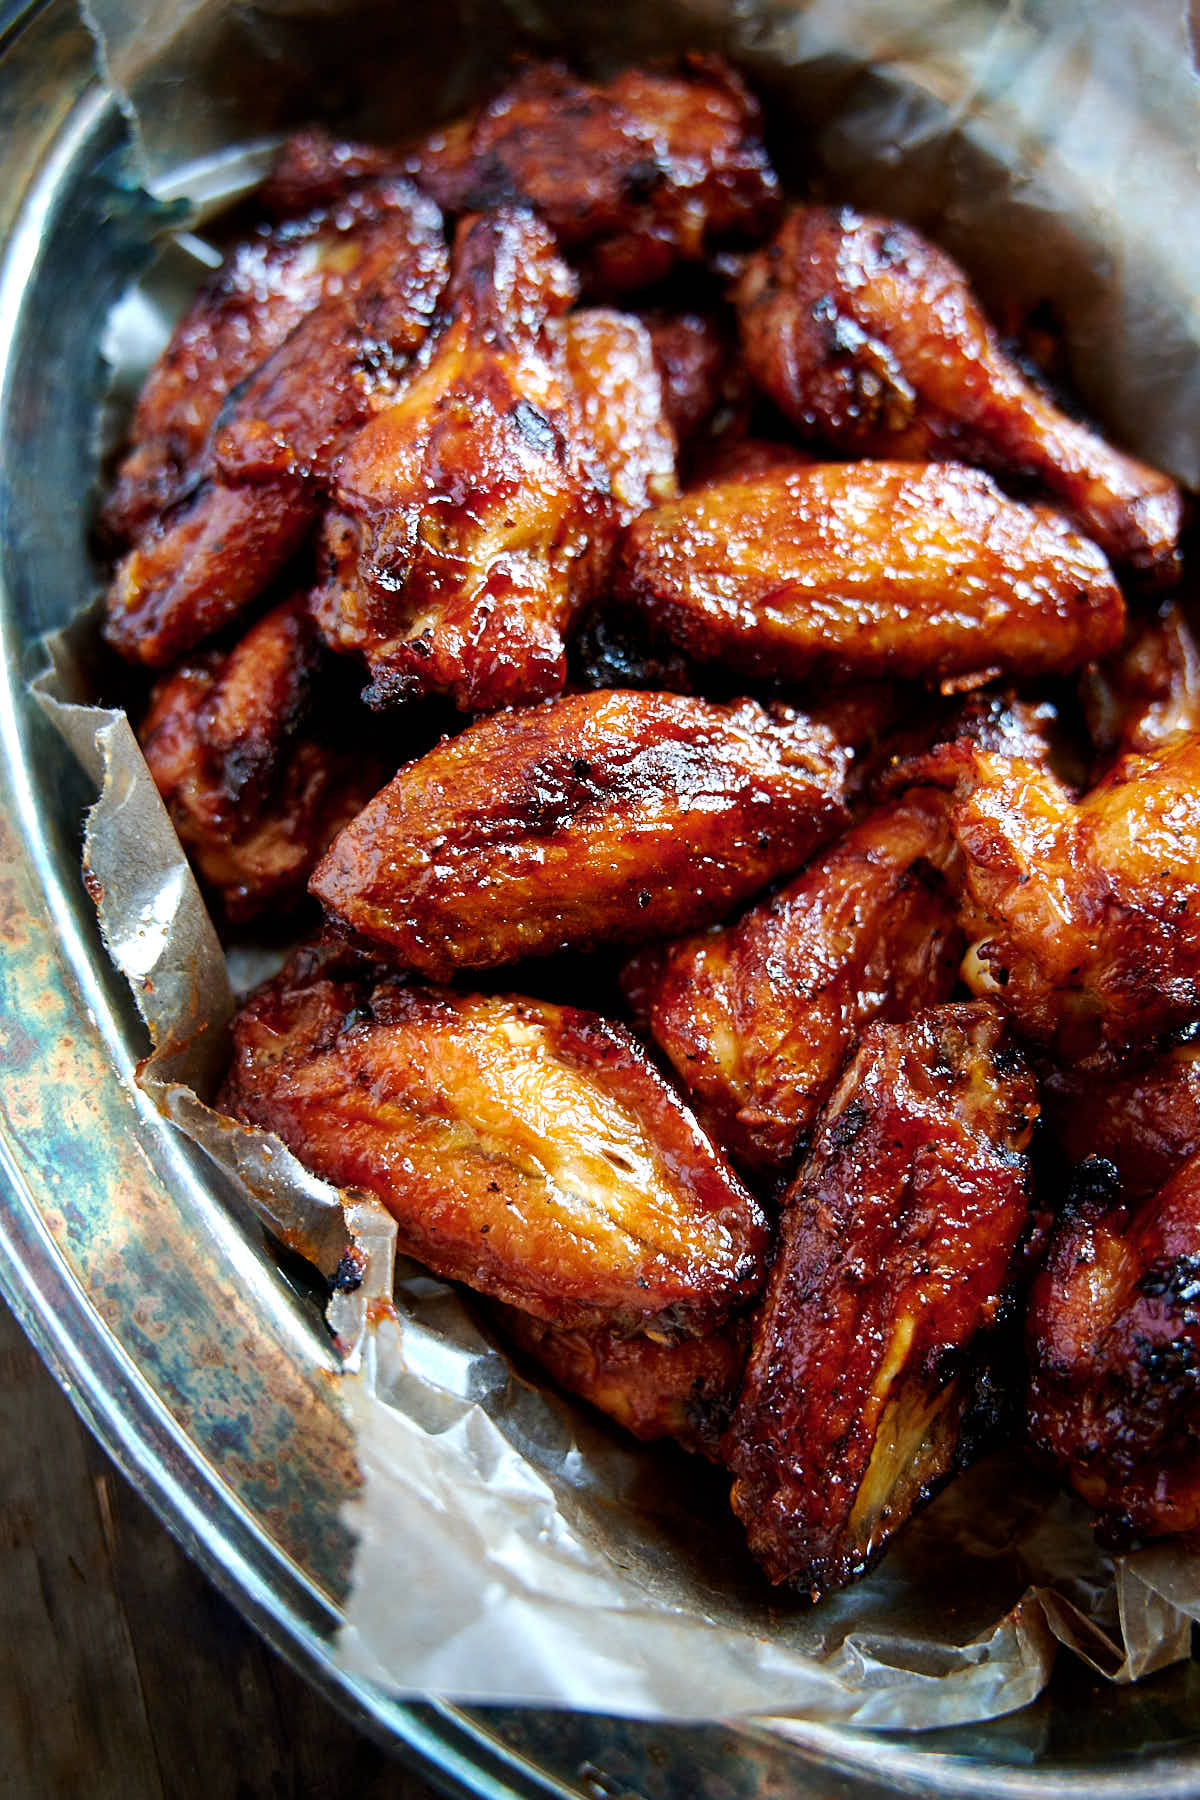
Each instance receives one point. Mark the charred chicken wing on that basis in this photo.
(1143, 1117)
(474, 515)
(872, 569)
(870, 339)
(256, 781)
(758, 1017)
(683, 1389)
(529, 1150)
(1114, 1348)
(896, 1248)
(597, 818)
(270, 455)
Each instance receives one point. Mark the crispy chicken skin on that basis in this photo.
(869, 339)
(530, 1150)
(256, 784)
(758, 1017)
(864, 570)
(1143, 1117)
(683, 1390)
(473, 517)
(896, 1248)
(270, 456)
(615, 373)
(595, 818)
(1148, 690)
(632, 176)
(1084, 917)
(265, 286)
(1114, 1351)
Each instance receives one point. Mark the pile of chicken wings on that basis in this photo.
(743, 736)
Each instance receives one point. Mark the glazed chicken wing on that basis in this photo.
(632, 176)
(474, 516)
(758, 1017)
(1114, 1349)
(597, 818)
(683, 1390)
(256, 299)
(864, 570)
(869, 339)
(255, 780)
(1085, 917)
(1148, 690)
(1143, 1117)
(896, 1249)
(693, 355)
(529, 1150)
(615, 373)
(270, 456)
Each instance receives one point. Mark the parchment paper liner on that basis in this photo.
(510, 1547)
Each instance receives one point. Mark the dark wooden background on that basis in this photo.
(123, 1674)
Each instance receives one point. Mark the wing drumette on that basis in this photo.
(758, 1017)
(530, 1150)
(473, 516)
(896, 1249)
(598, 818)
(256, 778)
(1148, 690)
(1114, 1347)
(271, 452)
(869, 338)
(865, 569)
(613, 367)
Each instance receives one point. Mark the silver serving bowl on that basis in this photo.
(199, 1361)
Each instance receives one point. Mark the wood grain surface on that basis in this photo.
(124, 1675)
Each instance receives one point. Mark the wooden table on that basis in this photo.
(123, 1674)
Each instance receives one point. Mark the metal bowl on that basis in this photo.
(199, 1361)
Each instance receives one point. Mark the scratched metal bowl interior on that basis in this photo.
(200, 1361)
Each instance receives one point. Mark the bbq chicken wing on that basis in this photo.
(529, 1150)
(654, 1389)
(596, 818)
(1084, 918)
(870, 339)
(263, 289)
(1148, 690)
(1114, 1350)
(693, 354)
(632, 176)
(865, 570)
(615, 373)
(255, 781)
(758, 1017)
(897, 1245)
(474, 516)
(270, 455)
(1143, 1117)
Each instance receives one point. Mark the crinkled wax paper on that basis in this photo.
(510, 1547)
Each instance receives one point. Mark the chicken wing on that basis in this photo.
(596, 818)
(1084, 917)
(1148, 690)
(529, 1150)
(758, 1017)
(632, 175)
(611, 362)
(474, 516)
(869, 339)
(270, 455)
(897, 1245)
(1143, 1117)
(683, 1390)
(1114, 1350)
(258, 296)
(255, 780)
(864, 570)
